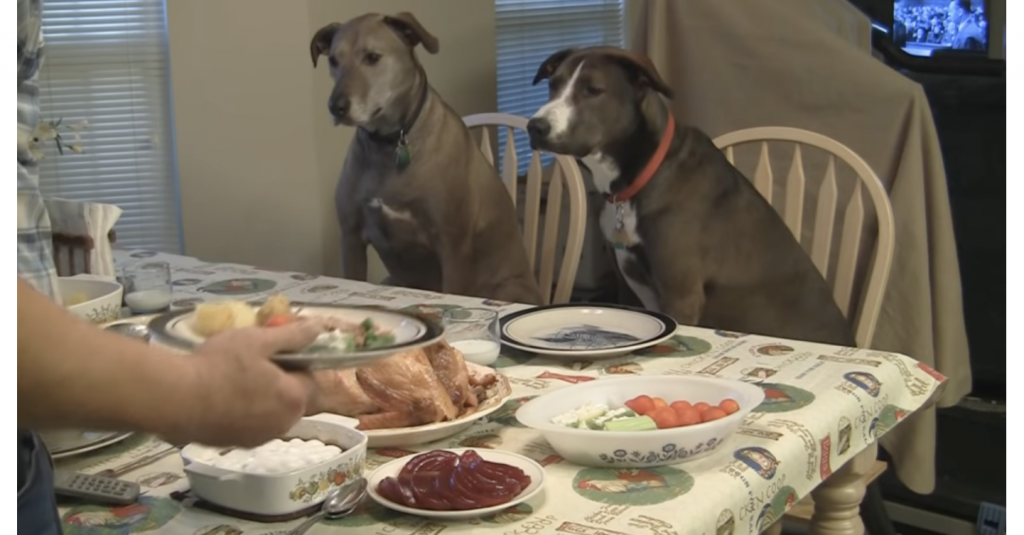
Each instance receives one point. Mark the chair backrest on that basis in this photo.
(565, 179)
(72, 253)
(825, 215)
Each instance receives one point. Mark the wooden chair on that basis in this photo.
(71, 253)
(866, 314)
(833, 496)
(565, 179)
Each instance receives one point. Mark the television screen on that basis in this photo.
(922, 27)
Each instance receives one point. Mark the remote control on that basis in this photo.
(95, 489)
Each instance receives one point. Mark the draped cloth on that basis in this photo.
(807, 64)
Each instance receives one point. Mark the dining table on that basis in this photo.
(816, 433)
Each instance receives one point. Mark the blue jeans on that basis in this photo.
(37, 505)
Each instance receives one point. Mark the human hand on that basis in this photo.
(242, 398)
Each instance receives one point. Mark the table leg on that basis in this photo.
(837, 499)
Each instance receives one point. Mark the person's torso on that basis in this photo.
(37, 507)
(35, 246)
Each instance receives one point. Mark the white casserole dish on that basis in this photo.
(284, 493)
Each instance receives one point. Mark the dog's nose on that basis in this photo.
(339, 106)
(538, 128)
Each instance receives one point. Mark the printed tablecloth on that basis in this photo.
(824, 404)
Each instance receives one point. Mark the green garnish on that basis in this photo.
(373, 339)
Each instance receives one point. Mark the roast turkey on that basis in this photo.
(411, 388)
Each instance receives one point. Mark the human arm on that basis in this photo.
(71, 374)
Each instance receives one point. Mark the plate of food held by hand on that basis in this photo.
(456, 484)
(414, 397)
(353, 335)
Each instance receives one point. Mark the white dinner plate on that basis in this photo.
(63, 444)
(531, 467)
(577, 331)
(411, 331)
(497, 394)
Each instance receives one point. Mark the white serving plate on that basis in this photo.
(531, 467)
(585, 331)
(282, 494)
(68, 443)
(638, 449)
(102, 297)
(410, 332)
(498, 394)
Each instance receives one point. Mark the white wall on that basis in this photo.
(258, 158)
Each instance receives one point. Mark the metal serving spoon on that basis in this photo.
(131, 330)
(339, 503)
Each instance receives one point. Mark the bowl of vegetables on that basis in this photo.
(640, 421)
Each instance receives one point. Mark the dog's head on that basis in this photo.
(372, 64)
(595, 98)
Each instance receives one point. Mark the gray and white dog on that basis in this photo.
(696, 240)
(414, 184)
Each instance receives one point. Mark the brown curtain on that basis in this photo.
(807, 64)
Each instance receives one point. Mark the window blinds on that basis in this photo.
(528, 31)
(106, 62)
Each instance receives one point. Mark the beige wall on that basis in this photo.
(258, 158)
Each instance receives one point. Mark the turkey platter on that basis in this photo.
(414, 397)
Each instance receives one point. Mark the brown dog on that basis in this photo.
(414, 184)
(692, 236)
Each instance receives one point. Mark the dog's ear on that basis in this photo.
(321, 43)
(641, 67)
(412, 32)
(551, 65)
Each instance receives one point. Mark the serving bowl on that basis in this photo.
(289, 492)
(638, 449)
(93, 298)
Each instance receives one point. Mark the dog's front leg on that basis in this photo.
(685, 309)
(680, 289)
(349, 210)
(456, 264)
(353, 256)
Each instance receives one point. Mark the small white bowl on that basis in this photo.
(391, 469)
(102, 297)
(638, 449)
(282, 494)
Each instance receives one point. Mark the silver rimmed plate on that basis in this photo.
(411, 331)
(576, 331)
(68, 443)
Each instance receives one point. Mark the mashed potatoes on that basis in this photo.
(214, 318)
(75, 299)
(277, 305)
